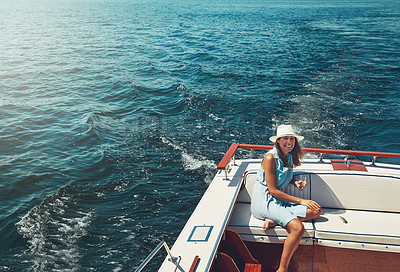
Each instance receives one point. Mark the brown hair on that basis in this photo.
(297, 154)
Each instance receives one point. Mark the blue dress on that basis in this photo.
(263, 205)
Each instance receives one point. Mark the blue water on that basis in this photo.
(114, 114)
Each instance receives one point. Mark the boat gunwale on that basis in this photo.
(229, 155)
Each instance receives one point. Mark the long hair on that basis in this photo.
(297, 154)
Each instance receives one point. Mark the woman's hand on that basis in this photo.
(311, 204)
(301, 184)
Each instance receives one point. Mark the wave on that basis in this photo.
(52, 231)
(127, 99)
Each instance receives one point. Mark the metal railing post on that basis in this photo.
(373, 160)
(151, 255)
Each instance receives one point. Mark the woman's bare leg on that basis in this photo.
(311, 214)
(268, 223)
(296, 231)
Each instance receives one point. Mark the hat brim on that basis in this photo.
(274, 138)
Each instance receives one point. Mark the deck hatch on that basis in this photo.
(200, 234)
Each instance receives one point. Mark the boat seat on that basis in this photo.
(359, 211)
(355, 191)
(250, 228)
(224, 262)
(358, 229)
(238, 253)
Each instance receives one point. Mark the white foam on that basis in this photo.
(190, 162)
(215, 118)
(52, 237)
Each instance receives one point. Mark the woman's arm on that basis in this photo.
(270, 177)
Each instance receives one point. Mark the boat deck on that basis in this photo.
(204, 230)
(361, 212)
(361, 215)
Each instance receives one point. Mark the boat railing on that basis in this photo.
(230, 154)
(173, 259)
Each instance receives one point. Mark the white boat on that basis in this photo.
(359, 229)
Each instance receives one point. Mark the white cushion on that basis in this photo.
(245, 224)
(358, 226)
(356, 191)
(365, 212)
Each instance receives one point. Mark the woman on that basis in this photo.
(274, 206)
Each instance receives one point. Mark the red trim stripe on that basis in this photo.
(194, 264)
(233, 148)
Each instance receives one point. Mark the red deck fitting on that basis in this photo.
(350, 165)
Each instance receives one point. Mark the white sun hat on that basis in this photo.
(285, 130)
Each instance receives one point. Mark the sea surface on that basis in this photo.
(115, 113)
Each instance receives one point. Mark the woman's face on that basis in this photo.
(286, 143)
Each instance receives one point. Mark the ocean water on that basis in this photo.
(115, 113)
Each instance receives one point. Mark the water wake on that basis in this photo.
(191, 162)
(52, 234)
